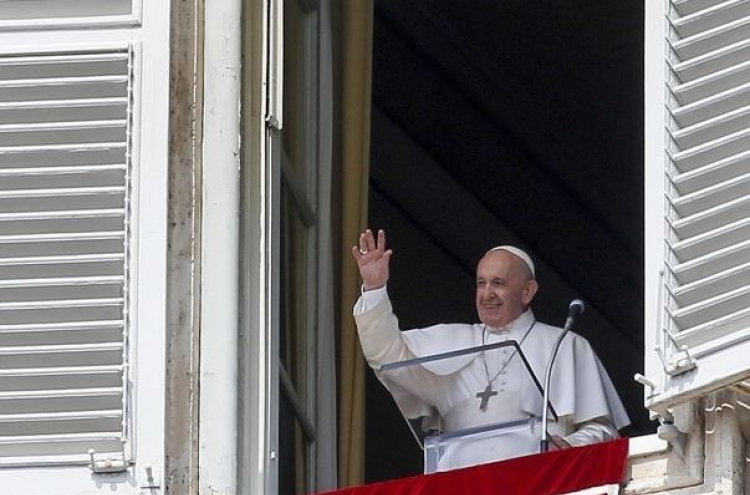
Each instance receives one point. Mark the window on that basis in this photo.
(697, 183)
(288, 426)
(298, 252)
(82, 227)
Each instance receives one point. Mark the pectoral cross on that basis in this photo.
(485, 396)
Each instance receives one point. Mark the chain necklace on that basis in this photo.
(488, 392)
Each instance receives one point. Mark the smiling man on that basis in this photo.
(505, 285)
(491, 387)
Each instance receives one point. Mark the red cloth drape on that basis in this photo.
(550, 473)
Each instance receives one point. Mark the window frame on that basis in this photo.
(301, 183)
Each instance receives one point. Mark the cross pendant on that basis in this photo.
(485, 396)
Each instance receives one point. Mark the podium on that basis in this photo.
(494, 428)
(440, 449)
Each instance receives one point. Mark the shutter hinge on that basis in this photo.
(647, 384)
(680, 362)
(113, 463)
(152, 479)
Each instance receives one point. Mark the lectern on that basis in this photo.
(495, 432)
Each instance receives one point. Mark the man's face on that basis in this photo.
(505, 288)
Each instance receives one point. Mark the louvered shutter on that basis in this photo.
(698, 196)
(64, 177)
(83, 196)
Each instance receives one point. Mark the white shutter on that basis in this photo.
(698, 178)
(64, 176)
(83, 196)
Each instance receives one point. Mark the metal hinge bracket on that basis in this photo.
(152, 478)
(111, 464)
(680, 362)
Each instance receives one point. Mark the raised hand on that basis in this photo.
(372, 259)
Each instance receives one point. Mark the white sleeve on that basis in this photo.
(378, 329)
(369, 299)
(597, 430)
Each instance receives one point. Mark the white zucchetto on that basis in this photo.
(518, 252)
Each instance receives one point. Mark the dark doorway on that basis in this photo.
(509, 121)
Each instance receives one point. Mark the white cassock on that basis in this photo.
(445, 392)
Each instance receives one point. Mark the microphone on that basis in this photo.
(574, 311)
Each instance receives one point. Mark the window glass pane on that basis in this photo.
(292, 452)
(297, 256)
(293, 288)
(298, 89)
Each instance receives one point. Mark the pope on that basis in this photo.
(491, 387)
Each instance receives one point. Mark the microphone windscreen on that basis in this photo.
(576, 308)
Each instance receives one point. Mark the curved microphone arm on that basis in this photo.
(575, 309)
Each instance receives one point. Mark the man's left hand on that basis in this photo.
(558, 443)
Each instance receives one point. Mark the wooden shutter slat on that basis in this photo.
(54, 237)
(61, 59)
(61, 192)
(57, 349)
(76, 437)
(69, 103)
(712, 173)
(687, 7)
(64, 148)
(61, 170)
(113, 369)
(62, 81)
(68, 214)
(725, 58)
(67, 326)
(711, 106)
(712, 308)
(725, 331)
(706, 220)
(710, 17)
(713, 151)
(62, 259)
(714, 285)
(61, 304)
(712, 242)
(85, 125)
(712, 39)
(713, 196)
(713, 260)
(712, 83)
(59, 394)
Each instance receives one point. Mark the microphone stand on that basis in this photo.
(575, 307)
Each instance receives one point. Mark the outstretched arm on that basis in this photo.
(372, 259)
(596, 430)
